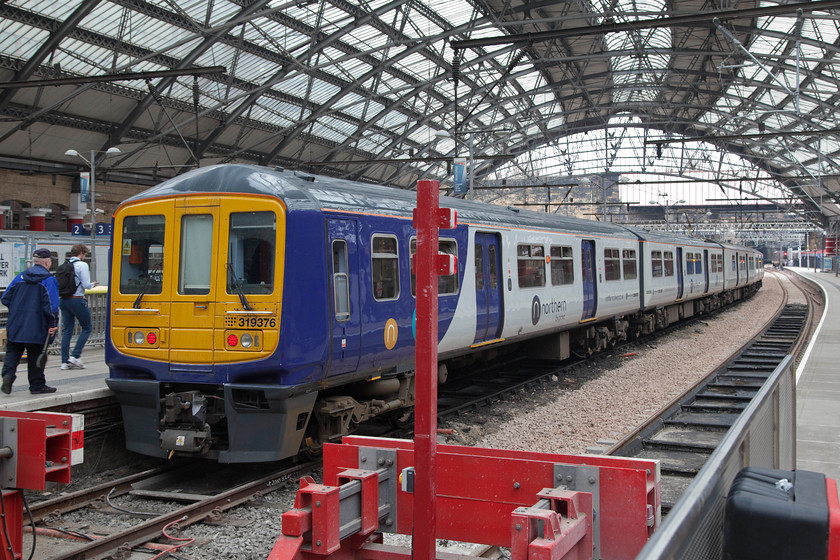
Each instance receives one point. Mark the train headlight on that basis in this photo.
(142, 338)
(238, 340)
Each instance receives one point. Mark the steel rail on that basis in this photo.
(187, 515)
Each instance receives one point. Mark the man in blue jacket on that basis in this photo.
(32, 299)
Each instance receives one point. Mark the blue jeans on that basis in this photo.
(14, 352)
(72, 309)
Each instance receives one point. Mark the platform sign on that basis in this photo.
(84, 186)
(460, 175)
(12, 261)
(6, 263)
(103, 228)
(79, 229)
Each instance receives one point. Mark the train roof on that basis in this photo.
(307, 192)
(312, 192)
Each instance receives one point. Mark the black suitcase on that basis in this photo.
(775, 514)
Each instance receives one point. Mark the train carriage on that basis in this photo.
(254, 311)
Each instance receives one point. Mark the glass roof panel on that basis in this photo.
(56, 10)
(20, 41)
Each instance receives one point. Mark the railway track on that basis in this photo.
(686, 432)
(207, 491)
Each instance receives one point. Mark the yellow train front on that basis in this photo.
(197, 311)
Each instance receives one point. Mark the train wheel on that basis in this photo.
(402, 419)
(311, 449)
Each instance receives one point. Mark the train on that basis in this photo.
(258, 312)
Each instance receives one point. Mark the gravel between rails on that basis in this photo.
(620, 394)
(621, 398)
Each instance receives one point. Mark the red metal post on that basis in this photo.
(427, 220)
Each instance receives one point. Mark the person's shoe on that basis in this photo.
(66, 365)
(77, 362)
(42, 390)
(7, 385)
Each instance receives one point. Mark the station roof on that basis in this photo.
(368, 90)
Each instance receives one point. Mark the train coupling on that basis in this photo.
(186, 440)
(184, 425)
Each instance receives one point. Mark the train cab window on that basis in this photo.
(531, 265)
(446, 284)
(612, 265)
(341, 281)
(628, 264)
(196, 254)
(656, 264)
(141, 262)
(562, 266)
(385, 267)
(252, 239)
(668, 262)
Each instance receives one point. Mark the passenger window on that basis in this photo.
(668, 263)
(385, 266)
(196, 254)
(628, 263)
(141, 262)
(562, 266)
(531, 266)
(493, 267)
(252, 241)
(341, 281)
(479, 267)
(446, 284)
(612, 265)
(656, 264)
(689, 263)
(733, 263)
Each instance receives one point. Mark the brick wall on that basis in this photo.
(45, 190)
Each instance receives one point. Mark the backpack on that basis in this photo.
(66, 276)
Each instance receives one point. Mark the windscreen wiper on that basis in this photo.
(234, 281)
(145, 287)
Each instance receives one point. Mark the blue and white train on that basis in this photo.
(255, 312)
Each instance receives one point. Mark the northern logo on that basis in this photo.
(536, 310)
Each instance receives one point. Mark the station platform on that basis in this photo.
(818, 386)
(73, 385)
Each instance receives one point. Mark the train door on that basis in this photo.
(680, 282)
(737, 269)
(588, 275)
(346, 321)
(193, 307)
(488, 287)
(705, 271)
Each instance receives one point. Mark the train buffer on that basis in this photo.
(541, 506)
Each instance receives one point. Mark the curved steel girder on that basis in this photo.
(250, 11)
(48, 47)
